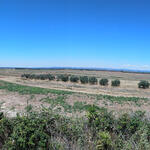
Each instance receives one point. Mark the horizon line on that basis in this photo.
(84, 68)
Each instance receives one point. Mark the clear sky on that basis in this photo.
(78, 33)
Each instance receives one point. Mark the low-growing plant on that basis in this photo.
(92, 80)
(22, 89)
(6, 126)
(143, 84)
(104, 141)
(129, 124)
(115, 82)
(99, 130)
(100, 118)
(74, 78)
(84, 79)
(29, 133)
(103, 82)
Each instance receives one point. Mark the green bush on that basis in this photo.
(100, 119)
(128, 125)
(104, 141)
(42, 77)
(143, 84)
(99, 130)
(38, 76)
(28, 134)
(84, 79)
(103, 82)
(115, 83)
(74, 78)
(51, 77)
(63, 77)
(27, 76)
(92, 80)
(6, 126)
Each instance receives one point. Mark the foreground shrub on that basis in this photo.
(29, 134)
(6, 127)
(100, 118)
(103, 82)
(74, 78)
(143, 84)
(98, 130)
(115, 83)
(41, 131)
(128, 124)
(104, 141)
(84, 79)
(92, 80)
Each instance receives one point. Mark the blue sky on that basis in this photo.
(78, 33)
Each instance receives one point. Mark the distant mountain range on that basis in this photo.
(80, 68)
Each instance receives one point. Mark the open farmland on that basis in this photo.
(74, 116)
(68, 95)
(128, 86)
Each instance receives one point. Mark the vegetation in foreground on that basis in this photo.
(97, 130)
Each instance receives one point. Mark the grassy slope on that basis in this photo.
(12, 87)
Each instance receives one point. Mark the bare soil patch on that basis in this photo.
(13, 103)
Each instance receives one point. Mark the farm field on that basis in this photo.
(15, 98)
(76, 116)
(126, 98)
(128, 86)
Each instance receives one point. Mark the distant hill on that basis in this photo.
(80, 68)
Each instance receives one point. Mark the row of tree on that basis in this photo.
(72, 78)
(83, 79)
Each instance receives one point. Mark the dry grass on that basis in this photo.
(127, 88)
(13, 102)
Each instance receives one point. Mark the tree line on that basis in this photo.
(82, 79)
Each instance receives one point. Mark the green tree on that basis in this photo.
(103, 82)
(143, 84)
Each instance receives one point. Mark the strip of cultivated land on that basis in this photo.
(127, 88)
(15, 98)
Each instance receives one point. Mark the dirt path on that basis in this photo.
(127, 88)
